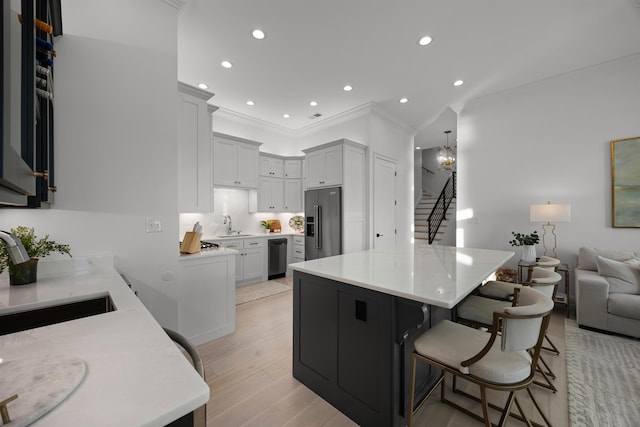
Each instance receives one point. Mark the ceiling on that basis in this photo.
(312, 49)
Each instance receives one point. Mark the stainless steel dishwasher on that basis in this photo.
(277, 258)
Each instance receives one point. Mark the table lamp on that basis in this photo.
(551, 214)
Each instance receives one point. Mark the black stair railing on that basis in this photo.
(439, 212)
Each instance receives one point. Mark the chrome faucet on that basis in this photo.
(227, 220)
(15, 248)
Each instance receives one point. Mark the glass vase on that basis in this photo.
(23, 274)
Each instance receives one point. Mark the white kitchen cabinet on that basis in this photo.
(207, 308)
(298, 249)
(271, 195)
(271, 166)
(324, 166)
(293, 168)
(250, 260)
(292, 195)
(194, 149)
(235, 161)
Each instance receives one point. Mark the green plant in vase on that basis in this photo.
(528, 241)
(520, 239)
(36, 248)
(266, 225)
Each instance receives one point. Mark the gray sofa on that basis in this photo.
(608, 290)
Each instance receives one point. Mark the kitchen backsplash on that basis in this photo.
(234, 203)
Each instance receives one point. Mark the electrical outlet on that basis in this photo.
(154, 224)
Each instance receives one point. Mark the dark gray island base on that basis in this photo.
(352, 346)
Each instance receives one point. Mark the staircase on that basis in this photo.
(421, 214)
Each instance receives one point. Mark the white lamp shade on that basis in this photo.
(550, 213)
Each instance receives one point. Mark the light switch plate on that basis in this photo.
(154, 224)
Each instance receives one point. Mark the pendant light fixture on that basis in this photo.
(447, 155)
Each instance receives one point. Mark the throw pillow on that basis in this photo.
(587, 257)
(623, 276)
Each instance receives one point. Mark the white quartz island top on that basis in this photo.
(432, 274)
(135, 375)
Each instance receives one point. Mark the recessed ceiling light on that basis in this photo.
(203, 86)
(348, 88)
(417, 148)
(226, 64)
(424, 41)
(314, 103)
(286, 116)
(404, 100)
(251, 103)
(458, 83)
(258, 34)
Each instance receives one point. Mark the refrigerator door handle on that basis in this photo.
(319, 227)
(317, 222)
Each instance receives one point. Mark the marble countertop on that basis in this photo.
(437, 275)
(135, 373)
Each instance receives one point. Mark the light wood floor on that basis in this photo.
(249, 373)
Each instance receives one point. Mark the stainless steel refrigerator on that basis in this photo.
(323, 219)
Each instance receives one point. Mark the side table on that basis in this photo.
(562, 269)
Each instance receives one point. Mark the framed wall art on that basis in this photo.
(625, 183)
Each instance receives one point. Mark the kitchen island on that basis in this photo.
(356, 316)
(135, 375)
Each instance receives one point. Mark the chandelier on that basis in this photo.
(447, 155)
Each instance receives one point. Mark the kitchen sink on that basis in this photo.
(35, 318)
(232, 236)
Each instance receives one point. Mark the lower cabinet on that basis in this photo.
(207, 303)
(352, 347)
(298, 249)
(250, 260)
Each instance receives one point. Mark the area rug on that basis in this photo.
(245, 294)
(603, 375)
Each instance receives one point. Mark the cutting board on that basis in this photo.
(275, 226)
(41, 385)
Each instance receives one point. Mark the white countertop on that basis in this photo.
(437, 275)
(135, 375)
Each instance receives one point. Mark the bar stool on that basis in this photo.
(504, 359)
(477, 310)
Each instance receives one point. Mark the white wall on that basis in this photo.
(274, 140)
(116, 127)
(547, 141)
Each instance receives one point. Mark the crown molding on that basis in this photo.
(176, 4)
(252, 121)
(375, 108)
(195, 91)
(336, 119)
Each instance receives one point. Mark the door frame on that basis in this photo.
(373, 192)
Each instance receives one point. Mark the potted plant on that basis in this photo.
(266, 225)
(527, 241)
(36, 248)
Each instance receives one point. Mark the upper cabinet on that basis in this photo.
(293, 168)
(26, 149)
(280, 188)
(271, 166)
(194, 149)
(324, 166)
(235, 161)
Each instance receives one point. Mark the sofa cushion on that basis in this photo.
(623, 277)
(587, 257)
(624, 305)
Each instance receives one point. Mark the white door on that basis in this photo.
(384, 201)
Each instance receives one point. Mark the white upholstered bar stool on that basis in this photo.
(503, 290)
(478, 310)
(543, 278)
(503, 361)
